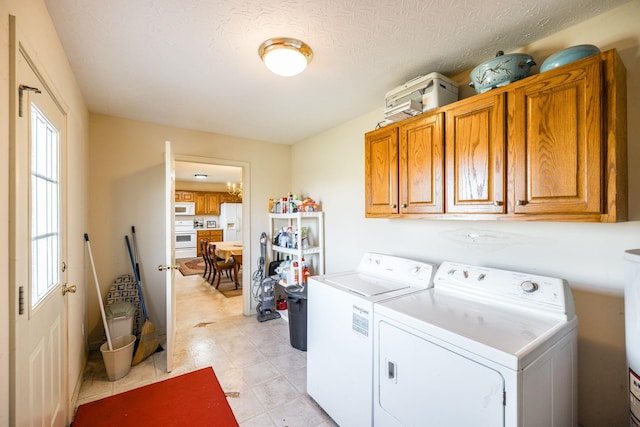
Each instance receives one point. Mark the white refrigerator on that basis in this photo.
(231, 221)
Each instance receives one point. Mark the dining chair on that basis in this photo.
(238, 267)
(208, 267)
(221, 265)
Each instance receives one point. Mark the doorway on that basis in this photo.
(220, 174)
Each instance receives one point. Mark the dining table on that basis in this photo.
(230, 250)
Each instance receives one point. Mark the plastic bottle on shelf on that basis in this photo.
(293, 207)
(306, 273)
(283, 238)
(290, 238)
(295, 271)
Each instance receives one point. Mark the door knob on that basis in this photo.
(168, 267)
(69, 289)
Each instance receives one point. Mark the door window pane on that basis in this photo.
(45, 200)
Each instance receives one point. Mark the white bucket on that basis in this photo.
(118, 360)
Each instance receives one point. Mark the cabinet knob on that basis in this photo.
(521, 202)
(497, 203)
(394, 206)
(404, 205)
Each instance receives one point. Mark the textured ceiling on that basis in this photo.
(194, 63)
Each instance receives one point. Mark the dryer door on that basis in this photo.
(421, 383)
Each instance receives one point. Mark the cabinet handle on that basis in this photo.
(521, 202)
(498, 203)
(394, 206)
(404, 205)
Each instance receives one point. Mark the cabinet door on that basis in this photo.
(229, 198)
(201, 235)
(200, 203)
(184, 196)
(212, 204)
(475, 156)
(556, 142)
(381, 171)
(422, 165)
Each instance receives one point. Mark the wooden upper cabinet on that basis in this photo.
(212, 204)
(184, 196)
(556, 142)
(207, 203)
(228, 198)
(421, 174)
(381, 171)
(200, 205)
(552, 147)
(475, 153)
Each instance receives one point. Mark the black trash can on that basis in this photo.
(297, 309)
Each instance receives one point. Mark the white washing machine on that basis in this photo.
(632, 331)
(340, 333)
(483, 347)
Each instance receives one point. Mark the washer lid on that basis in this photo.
(365, 285)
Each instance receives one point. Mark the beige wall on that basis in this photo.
(37, 30)
(126, 181)
(330, 167)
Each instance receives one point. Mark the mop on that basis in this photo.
(95, 280)
(148, 342)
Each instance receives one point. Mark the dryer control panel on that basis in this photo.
(400, 270)
(542, 294)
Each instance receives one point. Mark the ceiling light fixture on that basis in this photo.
(284, 56)
(201, 175)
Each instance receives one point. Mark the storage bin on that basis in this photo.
(120, 318)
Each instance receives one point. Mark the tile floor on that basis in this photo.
(252, 358)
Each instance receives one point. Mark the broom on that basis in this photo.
(148, 342)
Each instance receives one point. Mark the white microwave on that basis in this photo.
(185, 208)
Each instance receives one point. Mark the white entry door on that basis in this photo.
(38, 249)
(170, 245)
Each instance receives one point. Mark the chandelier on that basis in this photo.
(235, 189)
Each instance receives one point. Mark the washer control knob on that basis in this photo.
(528, 286)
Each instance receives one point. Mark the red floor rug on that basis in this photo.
(194, 399)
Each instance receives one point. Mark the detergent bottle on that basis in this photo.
(306, 273)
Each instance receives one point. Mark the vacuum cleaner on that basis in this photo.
(263, 287)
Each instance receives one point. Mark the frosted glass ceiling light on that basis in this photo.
(285, 57)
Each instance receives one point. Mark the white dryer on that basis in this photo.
(340, 332)
(483, 347)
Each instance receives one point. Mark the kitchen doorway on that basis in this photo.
(221, 173)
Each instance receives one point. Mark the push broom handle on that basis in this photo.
(135, 249)
(135, 274)
(95, 280)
